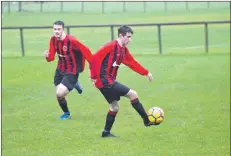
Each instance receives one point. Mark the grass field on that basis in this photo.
(192, 90)
(192, 87)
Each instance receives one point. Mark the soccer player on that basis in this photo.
(72, 54)
(105, 64)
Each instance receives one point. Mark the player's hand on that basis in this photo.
(149, 77)
(46, 53)
(93, 82)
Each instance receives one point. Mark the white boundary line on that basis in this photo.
(200, 46)
(167, 48)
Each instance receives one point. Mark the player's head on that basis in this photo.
(125, 34)
(58, 28)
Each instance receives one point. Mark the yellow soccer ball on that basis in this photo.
(156, 115)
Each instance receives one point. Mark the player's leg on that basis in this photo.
(110, 118)
(113, 100)
(67, 84)
(78, 86)
(137, 105)
(61, 92)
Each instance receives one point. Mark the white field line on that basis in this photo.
(200, 46)
(168, 48)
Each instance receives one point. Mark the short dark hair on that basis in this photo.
(123, 30)
(59, 23)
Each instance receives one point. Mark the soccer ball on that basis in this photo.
(156, 115)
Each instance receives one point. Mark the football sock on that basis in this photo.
(109, 120)
(140, 109)
(63, 105)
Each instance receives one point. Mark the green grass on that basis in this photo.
(192, 90)
(192, 87)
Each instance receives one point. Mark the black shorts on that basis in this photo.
(67, 79)
(115, 92)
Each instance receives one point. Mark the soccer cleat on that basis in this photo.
(78, 87)
(147, 123)
(107, 134)
(65, 116)
(150, 124)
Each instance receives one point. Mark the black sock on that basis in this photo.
(140, 109)
(63, 105)
(109, 120)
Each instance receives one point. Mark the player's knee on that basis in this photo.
(59, 94)
(132, 94)
(114, 109)
(61, 91)
(114, 106)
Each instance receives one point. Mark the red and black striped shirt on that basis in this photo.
(106, 62)
(71, 54)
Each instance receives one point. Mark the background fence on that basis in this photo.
(107, 7)
(94, 23)
(158, 25)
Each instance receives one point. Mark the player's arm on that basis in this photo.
(85, 52)
(83, 49)
(129, 61)
(50, 55)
